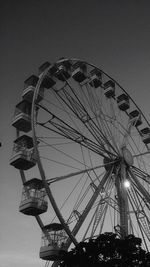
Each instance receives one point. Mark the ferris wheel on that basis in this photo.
(83, 151)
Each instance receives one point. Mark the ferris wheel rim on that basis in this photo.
(33, 114)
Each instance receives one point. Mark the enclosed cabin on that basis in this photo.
(95, 78)
(145, 133)
(22, 116)
(23, 157)
(63, 72)
(135, 118)
(29, 88)
(79, 72)
(123, 102)
(54, 239)
(49, 79)
(109, 89)
(33, 200)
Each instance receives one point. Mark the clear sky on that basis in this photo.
(114, 35)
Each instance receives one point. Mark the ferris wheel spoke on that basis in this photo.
(98, 216)
(142, 213)
(109, 122)
(101, 208)
(110, 135)
(141, 154)
(89, 97)
(82, 114)
(135, 208)
(90, 204)
(75, 136)
(127, 133)
(141, 174)
(102, 122)
(62, 152)
(103, 199)
(142, 206)
(70, 175)
(140, 187)
(141, 199)
(60, 127)
(145, 214)
(60, 107)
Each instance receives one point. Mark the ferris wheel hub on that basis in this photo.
(127, 156)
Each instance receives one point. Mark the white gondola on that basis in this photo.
(29, 88)
(22, 116)
(23, 157)
(33, 200)
(123, 102)
(53, 242)
(109, 89)
(79, 72)
(63, 70)
(95, 78)
(135, 118)
(49, 79)
(145, 133)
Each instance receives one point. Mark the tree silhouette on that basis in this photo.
(108, 250)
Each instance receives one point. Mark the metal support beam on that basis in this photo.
(90, 204)
(122, 200)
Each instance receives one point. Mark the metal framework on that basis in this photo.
(90, 153)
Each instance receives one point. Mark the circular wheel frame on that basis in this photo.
(90, 154)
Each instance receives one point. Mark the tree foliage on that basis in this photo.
(108, 250)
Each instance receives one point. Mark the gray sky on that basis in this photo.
(113, 35)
